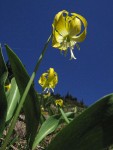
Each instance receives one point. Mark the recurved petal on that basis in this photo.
(61, 27)
(75, 26)
(51, 74)
(55, 43)
(42, 79)
(81, 18)
(80, 37)
(55, 80)
(58, 15)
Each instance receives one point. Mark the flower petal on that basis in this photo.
(42, 79)
(59, 23)
(58, 15)
(59, 102)
(58, 37)
(81, 36)
(81, 18)
(58, 41)
(51, 74)
(55, 43)
(75, 26)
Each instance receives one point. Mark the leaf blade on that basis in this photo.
(93, 129)
(47, 127)
(3, 100)
(31, 106)
(13, 97)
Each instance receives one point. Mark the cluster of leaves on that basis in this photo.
(18, 139)
(10, 99)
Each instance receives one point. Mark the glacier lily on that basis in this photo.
(59, 102)
(48, 80)
(67, 31)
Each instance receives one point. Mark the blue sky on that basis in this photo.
(25, 26)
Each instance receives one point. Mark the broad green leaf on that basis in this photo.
(3, 101)
(91, 130)
(13, 97)
(47, 127)
(31, 107)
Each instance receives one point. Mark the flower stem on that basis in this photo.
(64, 116)
(22, 100)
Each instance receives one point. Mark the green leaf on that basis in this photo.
(13, 97)
(31, 106)
(47, 127)
(68, 115)
(91, 130)
(3, 101)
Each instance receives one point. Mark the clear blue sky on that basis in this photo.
(26, 24)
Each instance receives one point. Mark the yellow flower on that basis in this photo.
(8, 87)
(67, 31)
(48, 80)
(59, 102)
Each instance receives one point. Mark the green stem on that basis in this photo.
(24, 96)
(64, 115)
